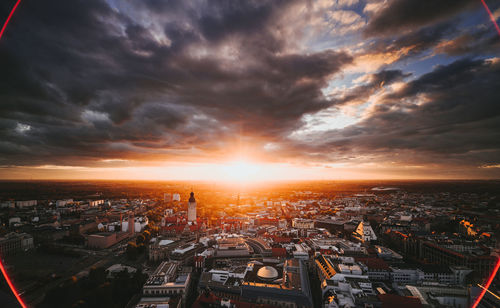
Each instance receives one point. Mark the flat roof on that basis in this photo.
(165, 242)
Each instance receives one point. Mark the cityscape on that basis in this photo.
(249, 153)
(300, 244)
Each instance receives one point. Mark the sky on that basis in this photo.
(250, 90)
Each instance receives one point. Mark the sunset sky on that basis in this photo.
(249, 90)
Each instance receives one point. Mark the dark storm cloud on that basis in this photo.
(401, 15)
(420, 40)
(410, 30)
(477, 42)
(412, 44)
(407, 29)
(280, 88)
(360, 94)
(448, 116)
(82, 81)
(85, 82)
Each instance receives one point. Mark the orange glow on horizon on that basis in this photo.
(237, 171)
(240, 171)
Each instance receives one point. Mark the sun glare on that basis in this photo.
(241, 171)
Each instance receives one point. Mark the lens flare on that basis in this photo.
(493, 294)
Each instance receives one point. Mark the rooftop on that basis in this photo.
(267, 273)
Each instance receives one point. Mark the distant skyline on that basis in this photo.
(250, 90)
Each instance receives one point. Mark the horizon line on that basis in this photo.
(254, 182)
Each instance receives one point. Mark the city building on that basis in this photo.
(159, 248)
(301, 223)
(62, 203)
(167, 197)
(364, 232)
(13, 243)
(168, 280)
(176, 197)
(288, 287)
(27, 203)
(232, 247)
(192, 208)
(259, 283)
(104, 240)
(185, 253)
(440, 296)
(93, 203)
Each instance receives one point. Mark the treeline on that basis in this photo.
(139, 246)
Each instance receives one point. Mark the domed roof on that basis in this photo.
(267, 273)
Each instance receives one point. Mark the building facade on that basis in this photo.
(192, 208)
(13, 243)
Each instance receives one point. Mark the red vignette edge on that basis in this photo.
(478, 300)
(488, 283)
(9, 17)
(9, 282)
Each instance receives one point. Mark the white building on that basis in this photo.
(364, 232)
(430, 274)
(7, 204)
(61, 203)
(21, 204)
(167, 280)
(342, 281)
(301, 223)
(14, 220)
(406, 275)
(93, 203)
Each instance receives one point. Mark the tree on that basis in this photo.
(132, 251)
(97, 276)
(147, 235)
(95, 290)
(140, 239)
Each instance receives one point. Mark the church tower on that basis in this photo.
(192, 208)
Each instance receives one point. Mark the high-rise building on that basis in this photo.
(167, 197)
(192, 208)
(176, 197)
(131, 223)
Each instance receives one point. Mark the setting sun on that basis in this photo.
(241, 171)
(190, 153)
